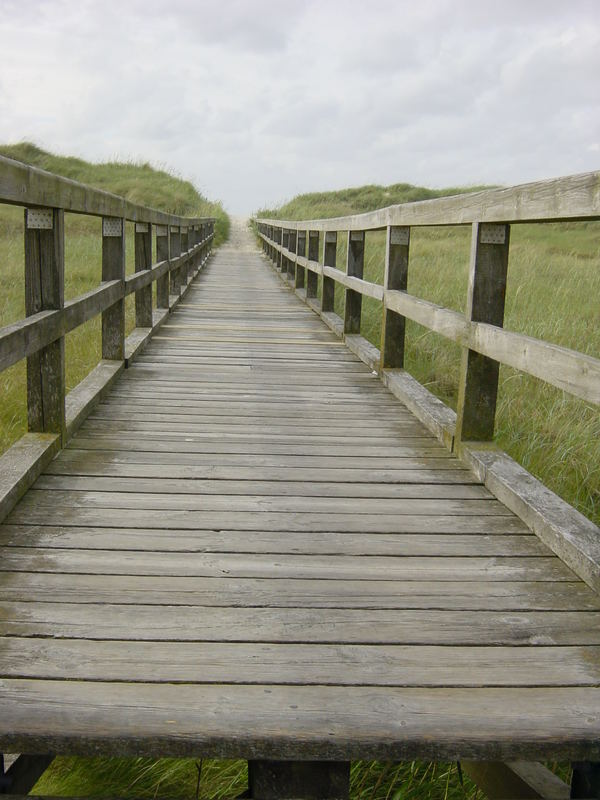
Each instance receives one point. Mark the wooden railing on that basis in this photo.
(485, 344)
(294, 249)
(182, 246)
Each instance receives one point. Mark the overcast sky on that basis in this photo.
(257, 100)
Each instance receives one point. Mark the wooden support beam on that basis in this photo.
(355, 261)
(301, 251)
(185, 244)
(518, 780)
(396, 277)
(113, 268)
(162, 254)
(329, 260)
(478, 386)
(44, 291)
(312, 278)
(308, 780)
(143, 261)
(23, 773)
(585, 782)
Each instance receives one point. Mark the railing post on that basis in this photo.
(291, 264)
(113, 269)
(393, 325)
(278, 255)
(585, 781)
(312, 279)
(285, 243)
(44, 291)
(329, 260)
(175, 252)
(478, 387)
(143, 261)
(355, 261)
(185, 269)
(301, 251)
(162, 254)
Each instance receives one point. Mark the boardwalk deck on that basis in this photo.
(252, 549)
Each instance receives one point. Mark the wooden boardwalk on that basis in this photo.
(252, 549)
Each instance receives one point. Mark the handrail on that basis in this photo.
(183, 244)
(485, 344)
(573, 198)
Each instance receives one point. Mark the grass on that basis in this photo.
(138, 182)
(553, 290)
(210, 779)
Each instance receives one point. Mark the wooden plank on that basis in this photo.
(21, 464)
(21, 184)
(329, 260)
(89, 392)
(258, 565)
(265, 503)
(573, 537)
(529, 723)
(84, 463)
(273, 542)
(299, 664)
(478, 595)
(574, 197)
(257, 487)
(527, 630)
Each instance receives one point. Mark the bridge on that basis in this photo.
(250, 533)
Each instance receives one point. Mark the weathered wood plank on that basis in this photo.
(21, 464)
(571, 197)
(299, 664)
(393, 724)
(478, 595)
(301, 625)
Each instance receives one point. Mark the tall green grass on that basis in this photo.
(553, 291)
(138, 182)
(209, 779)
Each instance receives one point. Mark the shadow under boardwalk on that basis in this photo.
(252, 549)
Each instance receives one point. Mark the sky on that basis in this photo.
(256, 101)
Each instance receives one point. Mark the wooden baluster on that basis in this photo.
(113, 269)
(185, 269)
(291, 263)
(478, 387)
(393, 325)
(175, 250)
(162, 254)
(279, 240)
(329, 260)
(355, 261)
(301, 251)
(44, 291)
(143, 261)
(285, 243)
(312, 278)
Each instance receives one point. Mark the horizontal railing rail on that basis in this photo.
(182, 245)
(485, 344)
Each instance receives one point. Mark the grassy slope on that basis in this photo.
(139, 183)
(553, 290)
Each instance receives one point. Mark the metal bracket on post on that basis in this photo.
(112, 226)
(40, 219)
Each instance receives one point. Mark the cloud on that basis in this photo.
(257, 101)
